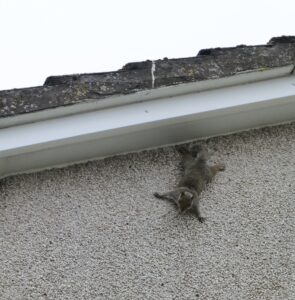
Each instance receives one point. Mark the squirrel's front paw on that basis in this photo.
(201, 219)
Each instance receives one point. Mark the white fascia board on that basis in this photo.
(144, 124)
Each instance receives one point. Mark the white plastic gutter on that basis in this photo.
(146, 120)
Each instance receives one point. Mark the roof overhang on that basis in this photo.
(147, 119)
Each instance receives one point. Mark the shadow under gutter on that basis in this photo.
(149, 119)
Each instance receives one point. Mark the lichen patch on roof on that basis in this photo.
(214, 63)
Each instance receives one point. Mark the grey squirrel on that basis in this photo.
(197, 173)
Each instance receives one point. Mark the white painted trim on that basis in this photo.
(145, 124)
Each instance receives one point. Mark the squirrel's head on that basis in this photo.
(185, 200)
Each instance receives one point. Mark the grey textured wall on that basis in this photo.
(94, 231)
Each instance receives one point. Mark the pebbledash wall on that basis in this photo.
(93, 230)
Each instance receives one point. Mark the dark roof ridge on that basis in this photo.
(282, 39)
(139, 76)
(273, 41)
(143, 65)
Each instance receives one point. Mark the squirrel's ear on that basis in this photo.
(189, 194)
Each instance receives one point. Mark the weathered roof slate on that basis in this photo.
(133, 77)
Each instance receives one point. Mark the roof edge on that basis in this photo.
(170, 91)
(146, 124)
(210, 64)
